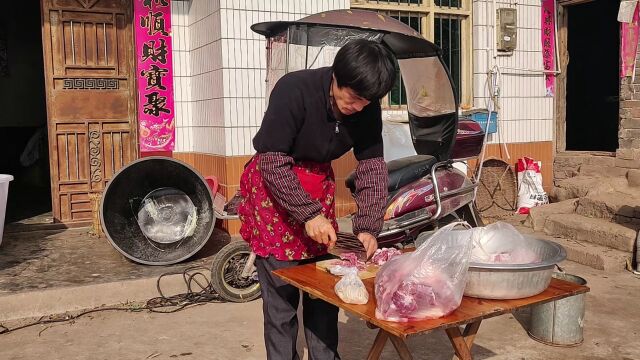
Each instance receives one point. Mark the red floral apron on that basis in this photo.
(267, 226)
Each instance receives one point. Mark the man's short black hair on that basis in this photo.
(365, 66)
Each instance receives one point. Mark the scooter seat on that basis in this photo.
(402, 171)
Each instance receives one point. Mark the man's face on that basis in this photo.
(347, 101)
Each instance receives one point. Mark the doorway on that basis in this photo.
(89, 60)
(592, 76)
(23, 120)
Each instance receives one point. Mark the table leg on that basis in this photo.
(470, 332)
(401, 347)
(462, 343)
(378, 345)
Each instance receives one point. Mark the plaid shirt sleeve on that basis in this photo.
(371, 179)
(285, 187)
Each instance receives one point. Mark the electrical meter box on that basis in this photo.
(507, 29)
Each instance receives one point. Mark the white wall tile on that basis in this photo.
(219, 68)
(525, 113)
(227, 112)
(228, 148)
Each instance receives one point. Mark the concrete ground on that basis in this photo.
(50, 272)
(54, 259)
(234, 331)
(53, 271)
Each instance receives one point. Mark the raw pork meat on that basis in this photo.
(351, 259)
(347, 260)
(431, 297)
(517, 256)
(427, 283)
(383, 255)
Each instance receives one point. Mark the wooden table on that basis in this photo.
(471, 312)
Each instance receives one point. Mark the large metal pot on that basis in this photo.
(169, 187)
(515, 281)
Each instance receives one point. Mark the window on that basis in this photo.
(447, 36)
(445, 22)
(397, 96)
(449, 3)
(393, 2)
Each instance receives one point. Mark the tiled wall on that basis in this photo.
(220, 69)
(207, 91)
(244, 62)
(526, 114)
(220, 84)
(181, 72)
(220, 62)
(197, 62)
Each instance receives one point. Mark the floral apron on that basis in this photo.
(267, 226)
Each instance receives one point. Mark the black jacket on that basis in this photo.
(299, 122)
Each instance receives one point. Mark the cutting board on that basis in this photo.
(369, 272)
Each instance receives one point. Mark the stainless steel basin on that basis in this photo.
(515, 281)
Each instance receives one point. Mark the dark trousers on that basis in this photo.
(280, 305)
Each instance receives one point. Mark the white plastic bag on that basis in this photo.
(340, 270)
(501, 243)
(530, 190)
(427, 283)
(351, 289)
(396, 138)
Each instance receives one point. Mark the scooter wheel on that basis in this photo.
(226, 274)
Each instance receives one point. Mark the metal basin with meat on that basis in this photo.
(515, 281)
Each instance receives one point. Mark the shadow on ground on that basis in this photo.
(432, 346)
(73, 257)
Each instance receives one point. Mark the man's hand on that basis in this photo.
(369, 242)
(320, 229)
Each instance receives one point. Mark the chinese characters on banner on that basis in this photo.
(628, 45)
(154, 74)
(548, 44)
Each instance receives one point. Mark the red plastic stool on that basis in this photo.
(212, 181)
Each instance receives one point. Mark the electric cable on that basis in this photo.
(199, 292)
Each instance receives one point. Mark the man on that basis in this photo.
(288, 188)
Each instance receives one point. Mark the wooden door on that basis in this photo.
(91, 106)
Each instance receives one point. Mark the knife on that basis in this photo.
(348, 243)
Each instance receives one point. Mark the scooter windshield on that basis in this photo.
(308, 47)
(427, 87)
(313, 42)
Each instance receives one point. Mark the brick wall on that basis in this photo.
(628, 153)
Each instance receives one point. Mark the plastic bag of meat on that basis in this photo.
(429, 282)
(351, 289)
(501, 243)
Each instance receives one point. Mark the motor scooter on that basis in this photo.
(426, 190)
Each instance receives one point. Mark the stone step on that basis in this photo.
(622, 208)
(539, 214)
(601, 171)
(581, 186)
(594, 231)
(568, 165)
(592, 255)
(633, 178)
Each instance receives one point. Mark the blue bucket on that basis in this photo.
(481, 118)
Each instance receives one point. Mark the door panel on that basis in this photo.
(90, 83)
